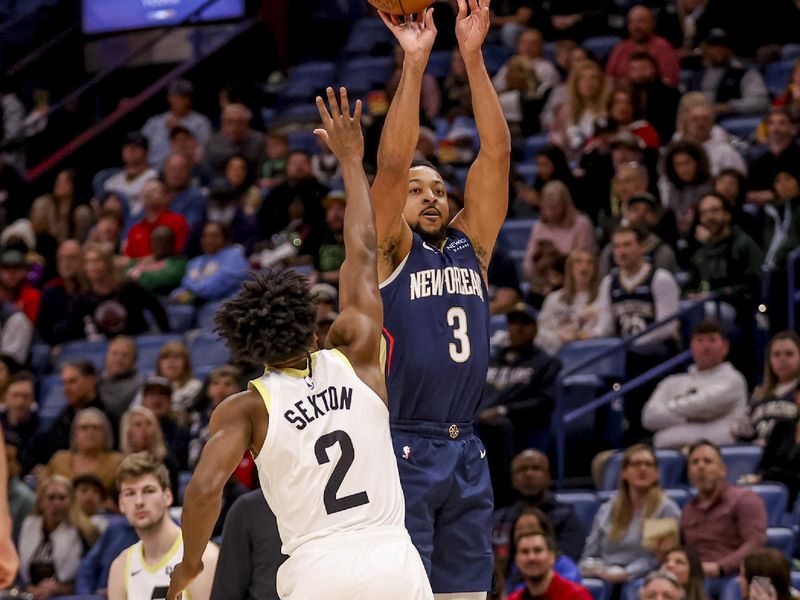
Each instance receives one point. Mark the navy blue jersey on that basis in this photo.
(633, 309)
(436, 328)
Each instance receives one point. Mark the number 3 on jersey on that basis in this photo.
(332, 503)
(457, 319)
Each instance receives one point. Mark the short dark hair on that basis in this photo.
(702, 443)
(22, 377)
(726, 204)
(273, 318)
(92, 480)
(640, 235)
(770, 563)
(140, 464)
(708, 326)
(224, 371)
(548, 539)
(84, 367)
(224, 229)
(697, 153)
(421, 162)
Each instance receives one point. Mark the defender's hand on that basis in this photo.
(471, 29)
(340, 131)
(415, 37)
(180, 579)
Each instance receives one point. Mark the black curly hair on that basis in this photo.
(272, 319)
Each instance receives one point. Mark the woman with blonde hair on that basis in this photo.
(53, 539)
(615, 549)
(559, 222)
(778, 397)
(175, 364)
(109, 305)
(571, 313)
(586, 101)
(90, 450)
(140, 431)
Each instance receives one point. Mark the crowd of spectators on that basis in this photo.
(636, 193)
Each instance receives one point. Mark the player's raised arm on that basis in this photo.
(486, 193)
(399, 137)
(231, 434)
(357, 331)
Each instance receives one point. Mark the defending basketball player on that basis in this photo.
(316, 422)
(433, 270)
(142, 571)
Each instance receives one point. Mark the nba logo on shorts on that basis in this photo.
(406, 452)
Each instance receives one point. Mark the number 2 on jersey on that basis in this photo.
(332, 503)
(457, 319)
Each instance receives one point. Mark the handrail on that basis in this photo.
(625, 343)
(40, 51)
(561, 420)
(128, 107)
(124, 60)
(19, 18)
(791, 265)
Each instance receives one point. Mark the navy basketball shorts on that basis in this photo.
(449, 503)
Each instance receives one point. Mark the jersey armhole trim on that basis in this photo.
(258, 386)
(127, 571)
(344, 358)
(396, 273)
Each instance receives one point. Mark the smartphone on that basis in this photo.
(763, 584)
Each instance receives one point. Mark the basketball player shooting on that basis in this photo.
(433, 271)
(316, 421)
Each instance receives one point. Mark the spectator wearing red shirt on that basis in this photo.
(641, 37)
(535, 557)
(156, 214)
(14, 286)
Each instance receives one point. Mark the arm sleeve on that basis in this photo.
(755, 97)
(169, 276)
(605, 320)
(547, 327)
(656, 414)
(585, 239)
(527, 261)
(752, 523)
(234, 565)
(594, 543)
(711, 399)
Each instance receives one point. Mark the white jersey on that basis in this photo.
(151, 582)
(327, 466)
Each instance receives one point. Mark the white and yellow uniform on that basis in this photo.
(146, 582)
(327, 470)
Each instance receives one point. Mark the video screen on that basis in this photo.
(104, 16)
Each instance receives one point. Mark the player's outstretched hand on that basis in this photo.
(416, 37)
(340, 131)
(180, 579)
(473, 26)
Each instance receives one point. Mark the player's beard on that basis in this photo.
(434, 238)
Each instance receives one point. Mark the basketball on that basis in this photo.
(401, 7)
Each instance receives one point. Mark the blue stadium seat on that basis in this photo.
(514, 236)
(40, 358)
(365, 35)
(300, 112)
(796, 579)
(149, 346)
(549, 51)
(630, 591)
(303, 140)
(207, 349)
(527, 171)
(790, 52)
(100, 178)
(495, 56)
(597, 588)
(439, 63)
(497, 323)
(365, 74)
(533, 146)
(776, 497)
(601, 45)
(671, 465)
(609, 364)
(730, 591)
(51, 400)
(776, 76)
(205, 315)
(180, 317)
(740, 460)
(94, 352)
(743, 127)
(584, 503)
(183, 481)
(781, 538)
(679, 496)
(308, 79)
